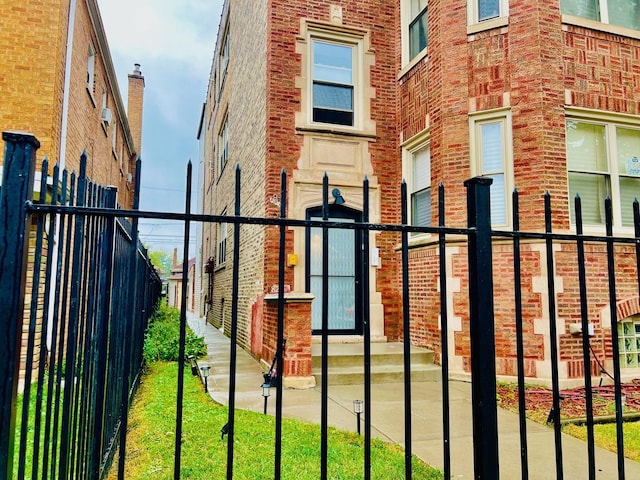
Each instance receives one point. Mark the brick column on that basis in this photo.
(297, 333)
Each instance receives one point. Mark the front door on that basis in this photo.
(343, 274)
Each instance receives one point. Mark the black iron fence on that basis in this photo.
(99, 289)
(78, 290)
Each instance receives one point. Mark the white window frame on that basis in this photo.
(105, 96)
(344, 85)
(414, 145)
(474, 24)
(223, 63)
(600, 24)
(501, 116)
(221, 249)
(91, 67)
(357, 44)
(610, 122)
(406, 20)
(223, 143)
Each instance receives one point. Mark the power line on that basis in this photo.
(163, 189)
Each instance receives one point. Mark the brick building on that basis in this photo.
(541, 96)
(58, 83)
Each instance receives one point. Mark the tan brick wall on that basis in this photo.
(86, 131)
(31, 82)
(33, 41)
(33, 37)
(243, 99)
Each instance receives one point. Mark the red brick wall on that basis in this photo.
(533, 65)
(597, 296)
(284, 146)
(297, 332)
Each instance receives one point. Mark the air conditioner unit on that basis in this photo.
(106, 116)
(129, 178)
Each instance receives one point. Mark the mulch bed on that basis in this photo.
(539, 400)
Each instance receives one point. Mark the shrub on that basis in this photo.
(162, 339)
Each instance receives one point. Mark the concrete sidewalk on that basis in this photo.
(387, 418)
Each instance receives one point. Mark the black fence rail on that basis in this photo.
(96, 359)
(90, 290)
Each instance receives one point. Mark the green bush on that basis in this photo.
(162, 339)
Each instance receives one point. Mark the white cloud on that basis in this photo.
(175, 31)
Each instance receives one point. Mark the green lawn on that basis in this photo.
(605, 437)
(150, 442)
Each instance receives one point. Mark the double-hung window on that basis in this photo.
(492, 157)
(333, 82)
(91, 66)
(603, 160)
(421, 187)
(623, 13)
(224, 57)
(418, 27)
(417, 175)
(223, 143)
(487, 12)
(222, 242)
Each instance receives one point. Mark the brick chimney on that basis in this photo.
(134, 107)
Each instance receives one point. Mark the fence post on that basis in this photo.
(483, 352)
(17, 188)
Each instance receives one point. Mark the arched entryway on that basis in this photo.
(345, 260)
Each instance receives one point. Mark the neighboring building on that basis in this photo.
(174, 288)
(539, 95)
(59, 84)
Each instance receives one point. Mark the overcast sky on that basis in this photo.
(173, 41)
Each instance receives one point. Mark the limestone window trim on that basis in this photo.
(477, 23)
(494, 160)
(572, 20)
(363, 59)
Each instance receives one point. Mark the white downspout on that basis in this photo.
(67, 84)
(63, 154)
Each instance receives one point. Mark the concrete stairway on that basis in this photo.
(346, 363)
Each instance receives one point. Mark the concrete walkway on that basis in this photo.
(387, 412)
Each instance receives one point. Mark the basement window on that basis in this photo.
(629, 342)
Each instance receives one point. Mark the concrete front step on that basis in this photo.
(346, 367)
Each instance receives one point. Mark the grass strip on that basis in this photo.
(151, 436)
